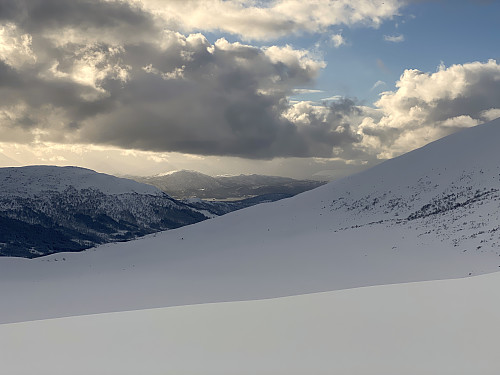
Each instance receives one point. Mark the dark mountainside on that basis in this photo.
(45, 210)
(189, 184)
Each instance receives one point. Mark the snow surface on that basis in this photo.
(33, 180)
(445, 327)
(431, 214)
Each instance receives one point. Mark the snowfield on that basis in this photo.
(447, 327)
(430, 215)
(206, 267)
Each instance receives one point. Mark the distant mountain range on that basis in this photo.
(218, 208)
(190, 184)
(46, 209)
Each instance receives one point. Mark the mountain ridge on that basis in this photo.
(185, 184)
(33, 179)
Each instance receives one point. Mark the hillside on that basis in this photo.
(46, 209)
(430, 214)
(217, 208)
(190, 184)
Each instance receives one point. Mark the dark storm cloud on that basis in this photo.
(224, 104)
(9, 9)
(332, 126)
(72, 72)
(36, 16)
(27, 87)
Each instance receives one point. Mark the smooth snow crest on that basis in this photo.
(33, 180)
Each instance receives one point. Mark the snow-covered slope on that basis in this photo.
(33, 180)
(430, 214)
(447, 327)
(47, 209)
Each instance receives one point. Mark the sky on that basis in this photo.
(306, 89)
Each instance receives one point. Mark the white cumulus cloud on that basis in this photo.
(266, 20)
(428, 106)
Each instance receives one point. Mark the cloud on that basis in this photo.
(378, 84)
(428, 106)
(394, 38)
(306, 91)
(91, 65)
(328, 126)
(80, 21)
(170, 92)
(334, 97)
(228, 101)
(126, 78)
(490, 114)
(15, 47)
(337, 40)
(259, 20)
